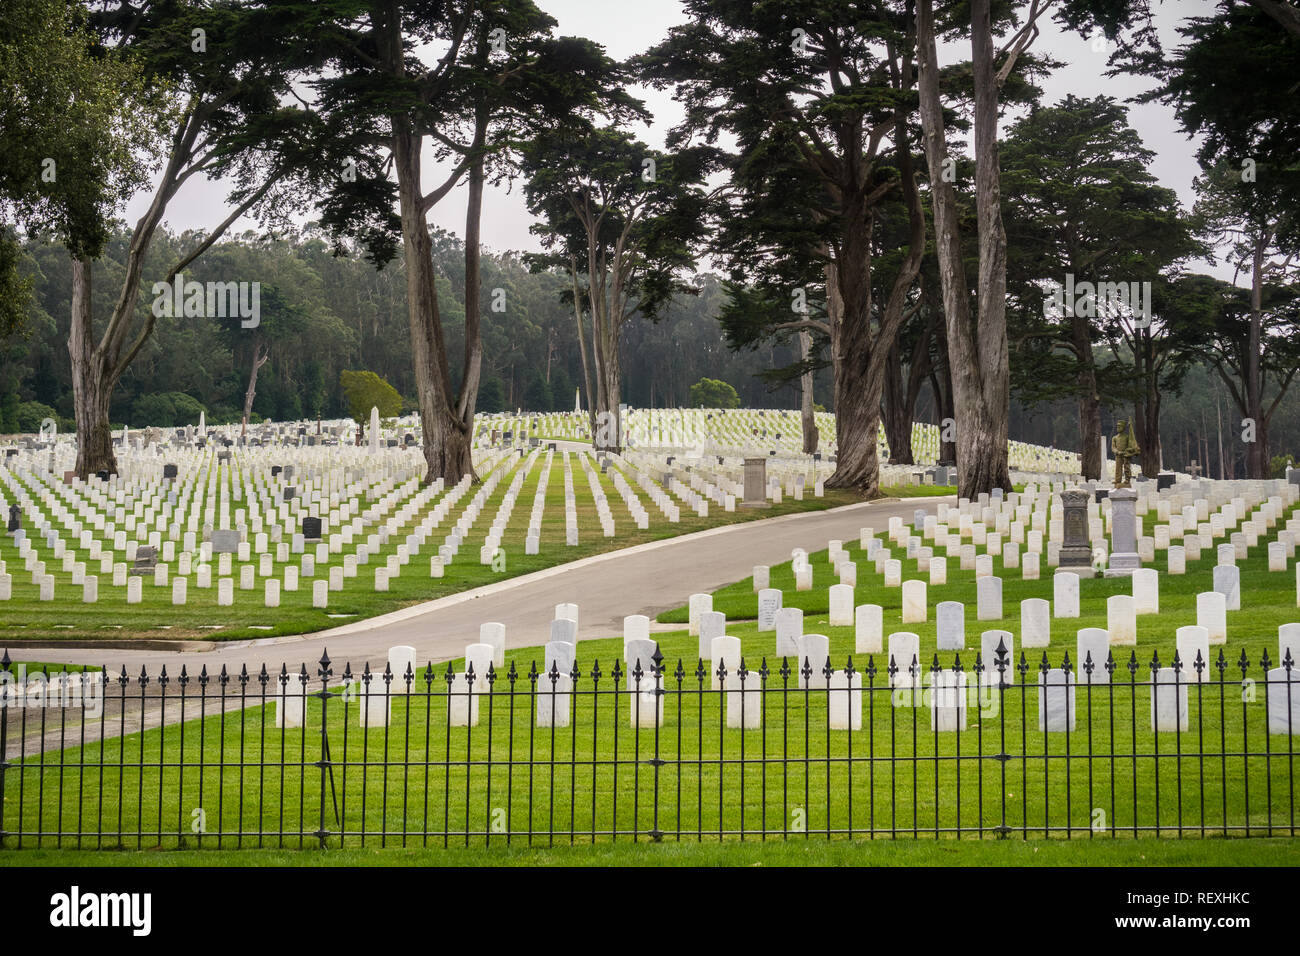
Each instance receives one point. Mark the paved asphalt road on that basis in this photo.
(646, 579)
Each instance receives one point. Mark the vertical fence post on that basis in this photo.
(324, 671)
(1001, 662)
(5, 664)
(657, 669)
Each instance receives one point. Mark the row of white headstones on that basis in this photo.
(747, 431)
(1092, 644)
(363, 504)
(947, 693)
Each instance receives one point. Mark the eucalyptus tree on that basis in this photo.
(461, 82)
(978, 350)
(814, 97)
(1090, 221)
(72, 124)
(624, 220)
(227, 74)
(1249, 190)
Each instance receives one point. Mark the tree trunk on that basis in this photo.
(609, 437)
(1146, 409)
(807, 416)
(259, 359)
(897, 413)
(92, 386)
(978, 360)
(1089, 402)
(859, 374)
(941, 382)
(582, 347)
(446, 436)
(473, 367)
(1257, 463)
(1146, 429)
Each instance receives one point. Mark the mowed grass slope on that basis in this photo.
(25, 618)
(792, 852)
(598, 780)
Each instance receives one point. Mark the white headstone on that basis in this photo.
(1121, 619)
(914, 602)
(988, 592)
(1212, 614)
(1227, 581)
(1056, 701)
(989, 641)
(636, 627)
(950, 626)
(1035, 623)
(841, 605)
(400, 657)
(1190, 641)
(712, 624)
(1065, 594)
(1146, 591)
(789, 628)
(947, 694)
(868, 623)
(493, 633)
(744, 697)
(769, 603)
(814, 652)
(1169, 700)
(1283, 700)
(1094, 641)
(904, 654)
(697, 605)
(724, 652)
(844, 701)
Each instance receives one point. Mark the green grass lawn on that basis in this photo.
(791, 852)
(1112, 782)
(25, 618)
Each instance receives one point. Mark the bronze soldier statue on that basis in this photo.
(1124, 447)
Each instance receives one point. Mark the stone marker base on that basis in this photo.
(754, 504)
(1083, 571)
(1123, 564)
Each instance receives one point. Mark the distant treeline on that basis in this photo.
(323, 313)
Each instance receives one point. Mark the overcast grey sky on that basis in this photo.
(626, 28)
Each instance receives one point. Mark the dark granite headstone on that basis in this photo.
(1076, 548)
(15, 517)
(275, 470)
(146, 559)
(225, 542)
(311, 528)
(170, 471)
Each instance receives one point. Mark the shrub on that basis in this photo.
(29, 415)
(713, 393)
(365, 390)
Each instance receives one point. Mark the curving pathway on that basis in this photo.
(645, 579)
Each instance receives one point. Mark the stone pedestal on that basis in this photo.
(1123, 534)
(1076, 548)
(755, 483)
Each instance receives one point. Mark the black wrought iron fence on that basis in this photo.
(1116, 749)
